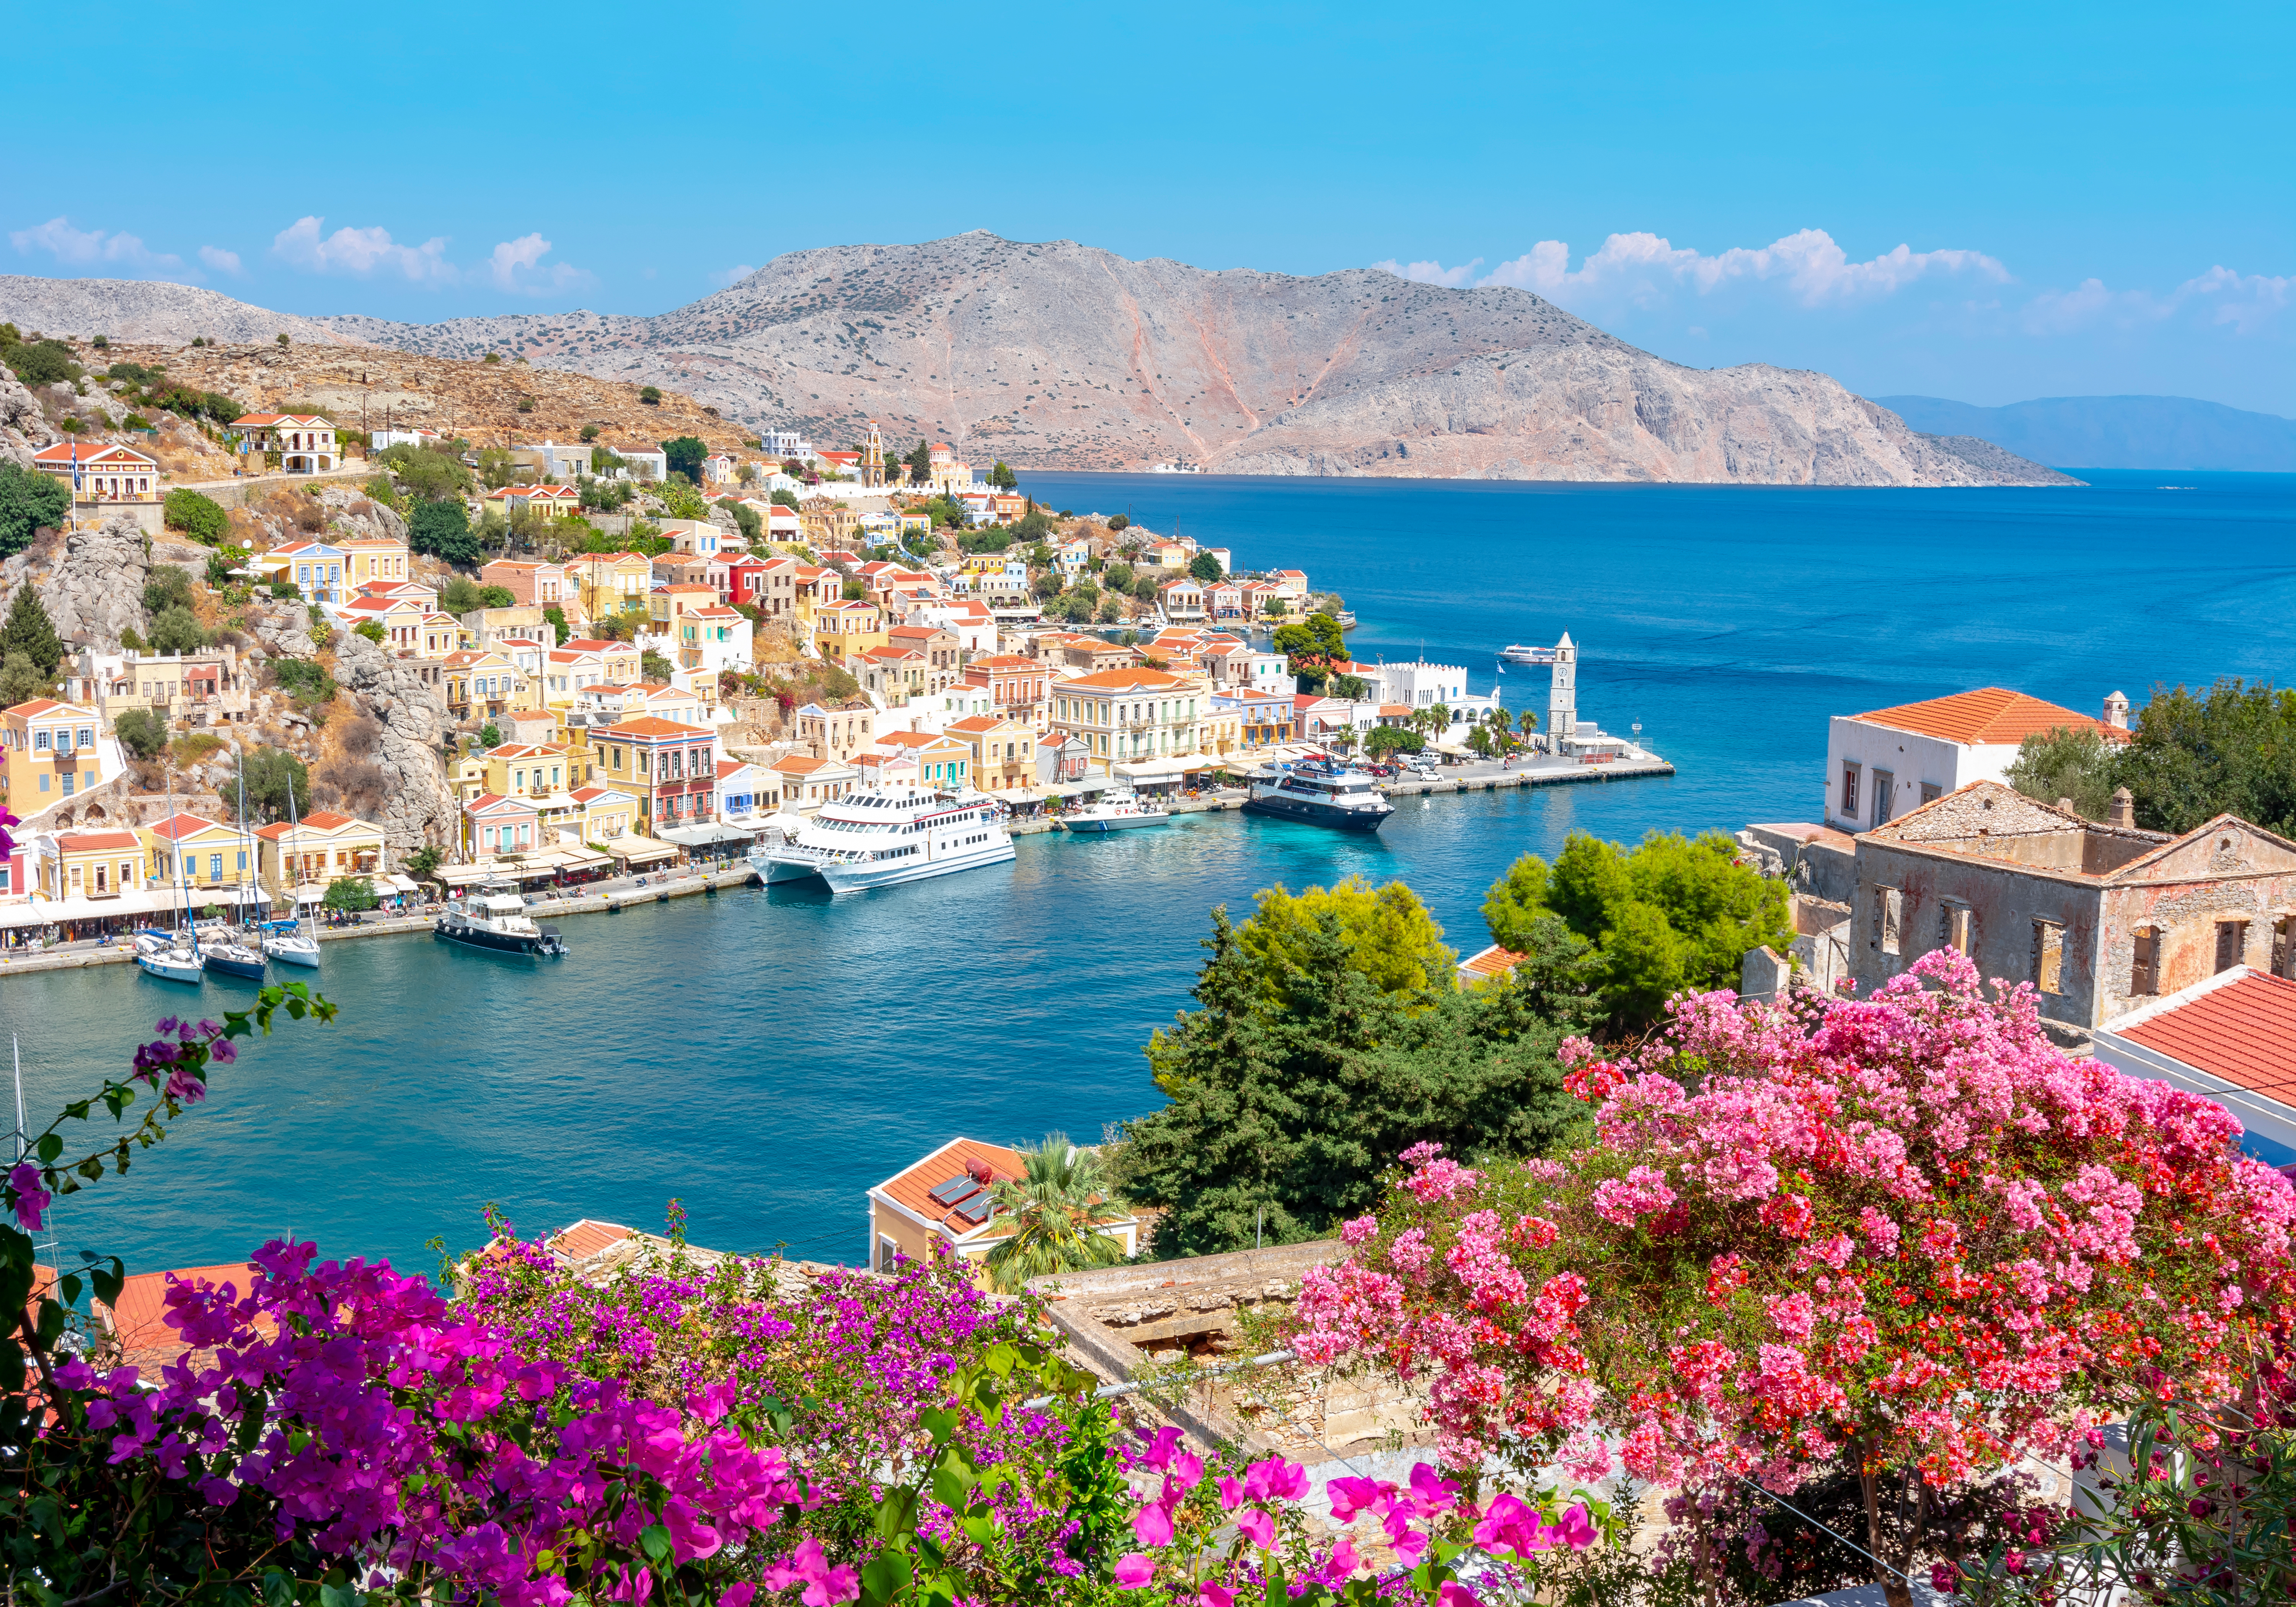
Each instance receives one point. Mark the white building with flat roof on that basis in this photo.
(1880, 765)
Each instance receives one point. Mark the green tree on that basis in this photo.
(1143, 589)
(1002, 477)
(557, 618)
(222, 561)
(1054, 1209)
(1045, 586)
(654, 666)
(427, 474)
(2231, 751)
(30, 632)
(140, 731)
(201, 518)
(351, 894)
(273, 775)
(496, 467)
(1117, 578)
(497, 596)
(1354, 688)
(649, 395)
(1330, 1036)
(1317, 637)
(685, 453)
(590, 433)
(491, 736)
(1381, 740)
(177, 630)
(2066, 762)
(1479, 742)
(1204, 566)
(370, 630)
(21, 680)
(783, 499)
(29, 501)
(1674, 913)
(423, 861)
(443, 531)
(43, 362)
(920, 463)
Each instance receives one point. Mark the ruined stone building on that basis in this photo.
(2101, 918)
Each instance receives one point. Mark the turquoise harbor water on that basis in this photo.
(768, 1056)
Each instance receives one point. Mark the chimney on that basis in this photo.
(2066, 804)
(2124, 808)
(2116, 710)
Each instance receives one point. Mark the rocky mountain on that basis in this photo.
(1061, 356)
(136, 309)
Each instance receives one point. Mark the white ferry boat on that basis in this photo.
(878, 837)
(493, 916)
(1519, 654)
(1119, 810)
(1320, 794)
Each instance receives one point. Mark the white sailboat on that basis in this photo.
(287, 942)
(173, 957)
(223, 950)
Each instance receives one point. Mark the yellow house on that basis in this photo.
(401, 620)
(200, 854)
(1004, 751)
(51, 752)
(90, 864)
(846, 630)
(372, 561)
(609, 583)
(308, 855)
(528, 770)
(479, 682)
(944, 1207)
(605, 814)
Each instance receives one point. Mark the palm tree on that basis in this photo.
(1052, 1208)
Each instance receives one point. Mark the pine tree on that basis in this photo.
(30, 632)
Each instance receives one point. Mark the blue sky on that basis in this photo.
(1986, 202)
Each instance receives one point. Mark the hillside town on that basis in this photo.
(562, 662)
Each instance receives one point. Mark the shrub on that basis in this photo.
(649, 395)
(274, 775)
(176, 629)
(29, 502)
(491, 736)
(222, 561)
(443, 531)
(140, 731)
(590, 433)
(370, 630)
(526, 404)
(306, 679)
(42, 362)
(166, 587)
(351, 893)
(30, 631)
(285, 589)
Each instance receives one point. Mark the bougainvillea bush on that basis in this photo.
(1903, 1235)
(337, 1433)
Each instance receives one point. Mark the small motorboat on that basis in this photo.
(494, 917)
(1119, 810)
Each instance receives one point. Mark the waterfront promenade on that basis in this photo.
(607, 898)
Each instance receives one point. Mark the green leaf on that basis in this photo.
(885, 1577)
(951, 1480)
(897, 1514)
(938, 1424)
(982, 1530)
(69, 1287)
(335, 1596)
(654, 1540)
(50, 1146)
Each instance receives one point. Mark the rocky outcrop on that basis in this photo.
(351, 514)
(24, 429)
(419, 806)
(1060, 356)
(96, 590)
(283, 628)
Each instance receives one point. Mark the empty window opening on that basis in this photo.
(2232, 943)
(1955, 926)
(1885, 787)
(2144, 961)
(2048, 956)
(1890, 916)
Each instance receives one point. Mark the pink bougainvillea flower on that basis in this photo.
(1258, 1527)
(32, 1199)
(1134, 1570)
(1151, 1525)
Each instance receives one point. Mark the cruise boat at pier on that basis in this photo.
(1119, 810)
(1519, 654)
(878, 837)
(1320, 794)
(493, 915)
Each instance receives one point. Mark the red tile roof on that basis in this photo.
(81, 842)
(183, 824)
(139, 1316)
(587, 1238)
(2243, 1031)
(1493, 961)
(1989, 715)
(914, 1187)
(647, 724)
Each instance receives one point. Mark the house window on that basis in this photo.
(1850, 792)
(2049, 957)
(1885, 786)
(2232, 943)
(2144, 961)
(1889, 919)
(1932, 792)
(1955, 926)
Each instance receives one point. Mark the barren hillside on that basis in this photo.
(1062, 356)
(143, 310)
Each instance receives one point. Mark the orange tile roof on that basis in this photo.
(587, 1238)
(647, 724)
(1492, 961)
(914, 1187)
(139, 1316)
(1124, 680)
(1987, 716)
(797, 764)
(2243, 1031)
(81, 842)
(183, 824)
(91, 454)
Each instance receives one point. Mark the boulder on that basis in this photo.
(96, 590)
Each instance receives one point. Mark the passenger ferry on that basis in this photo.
(1119, 810)
(1320, 794)
(878, 837)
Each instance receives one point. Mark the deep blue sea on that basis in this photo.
(768, 1056)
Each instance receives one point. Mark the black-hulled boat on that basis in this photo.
(494, 916)
(1319, 793)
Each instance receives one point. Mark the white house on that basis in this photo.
(1880, 764)
(642, 463)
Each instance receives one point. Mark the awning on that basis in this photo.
(1160, 769)
(703, 836)
(583, 858)
(53, 912)
(195, 897)
(634, 849)
(397, 884)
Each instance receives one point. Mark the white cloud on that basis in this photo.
(1642, 268)
(732, 275)
(516, 265)
(81, 247)
(361, 252)
(2251, 303)
(219, 259)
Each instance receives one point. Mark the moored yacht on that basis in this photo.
(1119, 810)
(494, 916)
(878, 837)
(1319, 793)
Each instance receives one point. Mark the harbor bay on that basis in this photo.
(767, 1055)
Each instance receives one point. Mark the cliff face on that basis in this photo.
(1059, 355)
